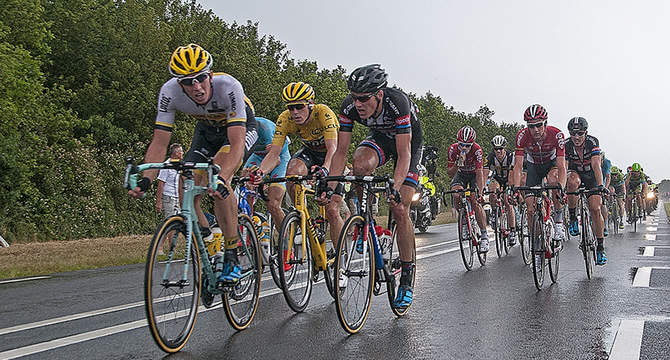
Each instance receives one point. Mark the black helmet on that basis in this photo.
(578, 124)
(367, 79)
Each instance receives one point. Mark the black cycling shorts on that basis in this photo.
(465, 180)
(588, 179)
(537, 172)
(386, 150)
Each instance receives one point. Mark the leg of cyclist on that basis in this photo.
(553, 180)
(511, 220)
(573, 184)
(595, 202)
(480, 215)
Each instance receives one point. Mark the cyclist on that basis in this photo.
(617, 189)
(395, 133)
(317, 126)
(465, 166)
(543, 147)
(226, 130)
(498, 164)
(635, 182)
(276, 191)
(606, 167)
(584, 168)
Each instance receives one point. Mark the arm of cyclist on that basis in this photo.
(562, 171)
(155, 153)
(270, 161)
(481, 182)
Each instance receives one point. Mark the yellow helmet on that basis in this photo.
(189, 60)
(297, 91)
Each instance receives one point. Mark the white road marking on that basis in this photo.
(628, 340)
(24, 279)
(650, 237)
(642, 277)
(651, 228)
(648, 251)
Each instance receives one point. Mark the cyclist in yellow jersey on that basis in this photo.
(317, 127)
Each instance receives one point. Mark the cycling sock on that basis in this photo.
(407, 272)
(600, 246)
(230, 243)
(573, 213)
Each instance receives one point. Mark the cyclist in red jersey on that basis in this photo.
(465, 165)
(544, 149)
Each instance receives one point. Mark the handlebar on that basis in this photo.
(588, 191)
(132, 170)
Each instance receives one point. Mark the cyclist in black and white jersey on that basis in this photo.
(226, 130)
(500, 163)
(395, 133)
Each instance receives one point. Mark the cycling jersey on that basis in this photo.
(226, 107)
(606, 167)
(266, 131)
(473, 160)
(500, 169)
(314, 133)
(581, 163)
(552, 146)
(617, 179)
(636, 179)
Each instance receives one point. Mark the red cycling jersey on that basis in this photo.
(551, 147)
(473, 160)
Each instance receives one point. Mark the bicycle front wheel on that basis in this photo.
(554, 260)
(172, 285)
(354, 265)
(537, 242)
(504, 229)
(241, 302)
(587, 242)
(465, 240)
(295, 265)
(391, 256)
(497, 229)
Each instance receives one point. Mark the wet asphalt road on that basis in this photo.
(491, 312)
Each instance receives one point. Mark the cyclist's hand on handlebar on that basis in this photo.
(394, 196)
(325, 193)
(319, 171)
(256, 177)
(143, 185)
(221, 191)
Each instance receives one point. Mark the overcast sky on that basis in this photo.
(607, 61)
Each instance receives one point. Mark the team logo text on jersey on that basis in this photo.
(233, 102)
(165, 102)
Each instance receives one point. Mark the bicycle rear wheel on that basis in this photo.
(172, 285)
(273, 260)
(355, 263)
(465, 239)
(295, 265)
(587, 242)
(504, 230)
(241, 301)
(391, 257)
(497, 230)
(614, 221)
(537, 242)
(524, 237)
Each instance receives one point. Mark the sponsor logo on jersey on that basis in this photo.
(233, 102)
(164, 103)
(403, 120)
(392, 105)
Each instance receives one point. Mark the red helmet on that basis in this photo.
(466, 135)
(535, 112)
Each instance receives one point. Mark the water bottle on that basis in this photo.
(218, 263)
(215, 245)
(265, 237)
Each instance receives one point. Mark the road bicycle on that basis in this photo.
(634, 216)
(468, 230)
(523, 232)
(613, 213)
(588, 241)
(499, 223)
(364, 261)
(179, 271)
(303, 247)
(543, 248)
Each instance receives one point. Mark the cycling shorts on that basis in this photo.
(465, 180)
(618, 190)
(537, 172)
(386, 150)
(209, 140)
(588, 179)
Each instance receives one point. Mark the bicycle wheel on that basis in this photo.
(241, 301)
(497, 230)
(524, 237)
(171, 291)
(274, 250)
(554, 259)
(587, 242)
(354, 262)
(391, 257)
(465, 239)
(329, 273)
(295, 265)
(614, 221)
(504, 230)
(537, 242)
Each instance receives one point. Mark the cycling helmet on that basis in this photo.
(578, 124)
(636, 167)
(466, 135)
(535, 112)
(297, 91)
(367, 79)
(499, 141)
(615, 170)
(189, 60)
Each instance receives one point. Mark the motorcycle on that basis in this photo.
(420, 209)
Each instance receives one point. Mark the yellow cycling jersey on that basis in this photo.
(324, 125)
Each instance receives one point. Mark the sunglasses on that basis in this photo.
(363, 98)
(190, 80)
(536, 125)
(498, 149)
(577, 133)
(296, 106)
(467, 145)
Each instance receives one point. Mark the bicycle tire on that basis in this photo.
(504, 229)
(295, 273)
(524, 238)
(391, 256)
(615, 214)
(241, 302)
(464, 240)
(554, 261)
(171, 304)
(497, 231)
(477, 242)
(587, 241)
(537, 236)
(274, 251)
(358, 268)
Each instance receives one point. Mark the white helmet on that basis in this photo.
(499, 141)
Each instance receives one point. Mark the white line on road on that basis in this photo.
(24, 279)
(648, 251)
(652, 228)
(642, 277)
(628, 340)
(650, 237)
